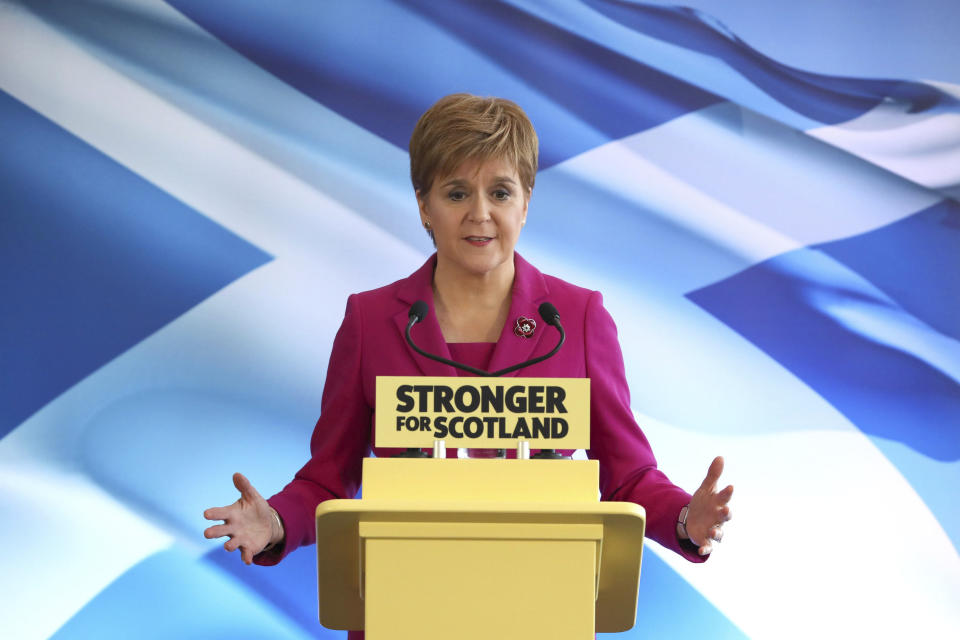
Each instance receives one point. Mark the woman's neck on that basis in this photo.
(472, 307)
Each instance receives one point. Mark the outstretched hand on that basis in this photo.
(709, 510)
(249, 522)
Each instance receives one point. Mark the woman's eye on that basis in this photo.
(457, 196)
(501, 194)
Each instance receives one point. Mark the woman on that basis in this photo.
(473, 163)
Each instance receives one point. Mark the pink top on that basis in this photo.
(474, 354)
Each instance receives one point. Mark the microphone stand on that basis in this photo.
(480, 372)
(549, 314)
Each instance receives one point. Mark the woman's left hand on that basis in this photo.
(709, 510)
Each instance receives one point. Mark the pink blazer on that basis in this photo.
(371, 342)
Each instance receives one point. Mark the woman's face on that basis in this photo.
(476, 214)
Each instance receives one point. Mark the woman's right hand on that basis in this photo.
(249, 522)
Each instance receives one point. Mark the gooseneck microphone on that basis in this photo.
(420, 309)
(550, 315)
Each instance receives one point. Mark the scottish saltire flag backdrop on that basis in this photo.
(768, 194)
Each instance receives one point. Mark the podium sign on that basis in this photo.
(483, 413)
(480, 548)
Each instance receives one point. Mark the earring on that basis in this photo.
(426, 225)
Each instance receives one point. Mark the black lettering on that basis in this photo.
(424, 423)
(463, 405)
(541, 427)
(441, 399)
(536, 399)
(559, 428)
(403, 395)
(440, 427)
(424, 391)
(473, 427)
(515, 405)
(400, 423)
(521, 430)
(412, 423)
(492, 422)
(492, 399)
(555, 398)
(453, 427)
(502, 429)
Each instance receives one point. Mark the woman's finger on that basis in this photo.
(244, 487)
(720, 516)
(725, 495)
(218, 513)
(713, 474)
(218, 531)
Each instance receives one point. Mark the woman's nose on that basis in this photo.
(480, 211)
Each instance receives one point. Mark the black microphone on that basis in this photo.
(550, 314)
(419, 311)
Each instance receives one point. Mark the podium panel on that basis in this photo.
(481, 580)
(464, 548)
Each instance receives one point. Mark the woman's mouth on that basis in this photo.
(479, 241)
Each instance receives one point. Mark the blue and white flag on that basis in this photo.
(190, 189)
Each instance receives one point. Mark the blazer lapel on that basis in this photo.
(426, 334)
(529, 290)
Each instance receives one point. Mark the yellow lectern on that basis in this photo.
(479, 548)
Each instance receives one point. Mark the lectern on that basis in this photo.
(479, 548)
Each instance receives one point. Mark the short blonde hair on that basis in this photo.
(462, 127)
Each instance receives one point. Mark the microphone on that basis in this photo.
(550, 314)
(420, 309)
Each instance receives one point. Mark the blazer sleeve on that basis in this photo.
(340, 441)
(628, 469)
